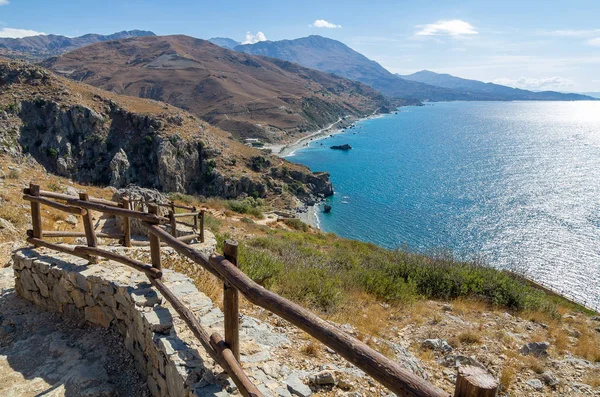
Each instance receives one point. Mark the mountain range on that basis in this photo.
(335, 57)
(249, 96)
(35, 48)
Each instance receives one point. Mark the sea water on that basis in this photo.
(515, 184)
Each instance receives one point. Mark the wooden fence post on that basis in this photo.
(201, 226)
(194, 209)
(88, 225)
(475, 382)
(154, 241)
(231, 303)
(36, 212)
(173, 223)
(126, 224)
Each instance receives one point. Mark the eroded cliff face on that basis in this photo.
(100, 141)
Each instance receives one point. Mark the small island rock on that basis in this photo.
(345, 146)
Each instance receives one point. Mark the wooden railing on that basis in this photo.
(471, 381)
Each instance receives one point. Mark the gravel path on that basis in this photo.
(46, 354)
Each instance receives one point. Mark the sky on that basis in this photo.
(538, 45)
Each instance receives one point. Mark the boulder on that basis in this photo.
(139, 196)
(536, 384)
(323, 378)
(296, 387)
(341, 147)
(327, 208)
(436, 344)
(550, 379)
(536, 349)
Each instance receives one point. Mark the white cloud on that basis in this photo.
(528, 83)
(321, 23)
(254, 38)
(453, 27)
(4, 2)
(18, 33)
(570, 32)
(594, 42)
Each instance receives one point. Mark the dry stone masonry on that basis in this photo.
(113, 296)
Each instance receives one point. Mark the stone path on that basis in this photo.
(47, 354)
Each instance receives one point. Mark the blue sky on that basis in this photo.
(530, 44)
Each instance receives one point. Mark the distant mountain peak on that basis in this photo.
(225, 42)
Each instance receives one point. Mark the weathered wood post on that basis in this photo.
(231, 303)
(88, 226)
(173, 223)
(474, 381)
(126, 224)
(194, 209)
(201, 226)
(154, 241)
(36, 212)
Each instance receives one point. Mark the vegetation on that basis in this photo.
(249, 206)
(324, 271)
(296, 224)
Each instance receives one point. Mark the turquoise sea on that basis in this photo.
(515, 184)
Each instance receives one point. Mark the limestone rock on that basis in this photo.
(97, 315)
(296, 387)
(323, 378)
(536, 349)
(536, 384)
(437, 344)
(550, 379)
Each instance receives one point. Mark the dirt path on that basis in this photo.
(46, 354)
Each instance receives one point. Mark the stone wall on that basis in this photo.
(111, 295)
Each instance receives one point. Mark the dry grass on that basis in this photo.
(469, 337)
(533, 364)
(508, 375)
(311, 349)
(593, 378)
(588, 347)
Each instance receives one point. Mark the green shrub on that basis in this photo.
(249, 206)
(52, 152)
(296, 224)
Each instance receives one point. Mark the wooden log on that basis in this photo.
(154, 241)
(66, 197)
(88, 226)
(59, 206)
(36, 212)
(195, 217)
(56, 247)
(202, 226)
(173, 223)
(126, 223)
(233, 365)
(474, 381)
(237, 375)
(188, 237)
(185, 214)
(384, 370)
(143, 216)
(60, 233)
(137, 265)
(186, 224)
(231, 306)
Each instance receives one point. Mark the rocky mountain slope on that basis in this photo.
(247, 95)
(35, 48)
(96, 137)
(224, 42)
(335, 57)
(500, 92)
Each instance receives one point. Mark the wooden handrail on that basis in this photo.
(381, 368)
(62, 207)
(138, 265)
(186, 214)
(90, 205)
(233, 367)
(66, 197)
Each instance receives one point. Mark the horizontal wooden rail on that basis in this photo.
(186, 214)
(220, 354)
(138, 265)
(186, 224)
(189, 237)
(57, 247)
(63, 207)
(65, 197)
(143, 201)
(60, 233)
(381, 368)
(143, 216)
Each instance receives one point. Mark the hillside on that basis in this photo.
(331, 56)
(100, 138)
(335, 57)
(499, 92)
(246, 95)
(35, 48)
(224, 42)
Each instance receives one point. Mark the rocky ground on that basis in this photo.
(43, 353)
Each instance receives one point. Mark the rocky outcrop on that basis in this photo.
(95, 139)
(345, 146)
